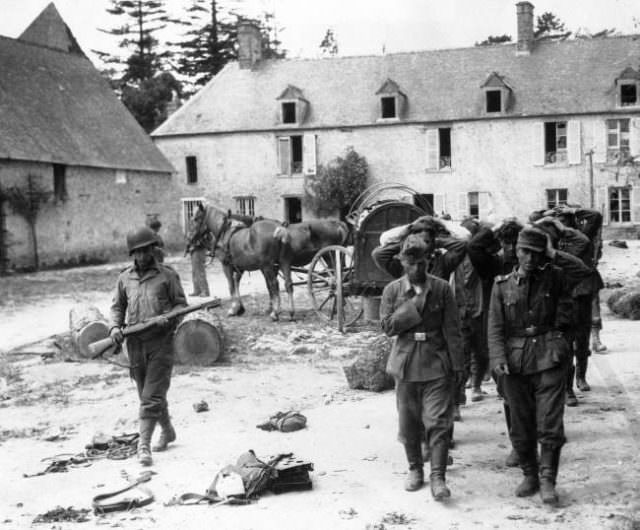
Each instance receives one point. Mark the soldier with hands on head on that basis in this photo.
(426, 360)
(529, 314)
(148, 290)
(197, 246)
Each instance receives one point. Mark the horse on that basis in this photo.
(300, 243)
(242, 248)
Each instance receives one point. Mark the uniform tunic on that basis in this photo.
(137, 298)
(528, 318)
(424, 357)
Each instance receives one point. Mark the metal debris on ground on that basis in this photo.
(201, 406)
(60, 514)
(115, 448)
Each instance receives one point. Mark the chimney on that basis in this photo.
(524, 11)
(249, 44)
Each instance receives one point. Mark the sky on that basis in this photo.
(361, 27)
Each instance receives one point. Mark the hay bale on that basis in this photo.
(627, 305)
(367, 372)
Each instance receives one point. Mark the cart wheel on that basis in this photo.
(328, 283)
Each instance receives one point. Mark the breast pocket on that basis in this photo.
(510, 307)
(432, 315)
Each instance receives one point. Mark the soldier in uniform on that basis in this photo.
(529, 313)
(155, 225)
(197, 249)
(426, 361)
(147, 290)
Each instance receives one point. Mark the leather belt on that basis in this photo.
(100, 507)
(531, 331)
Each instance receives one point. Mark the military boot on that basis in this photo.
(415, 476)
(167, 435)
(596, 345)
(572, 400)
(530, 483)
(549, 461)
(581, 374)
(144, 443)
(439, 456)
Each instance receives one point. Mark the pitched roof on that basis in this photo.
(559, 77)
(48, 29)
(56, 107)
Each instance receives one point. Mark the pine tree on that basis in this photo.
(329, 44)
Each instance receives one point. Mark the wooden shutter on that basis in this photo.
(634, 136)
(439, 204)
(599, 142)
(602, 203)
(484, 201)
(309, 154)
(284, 155)
(635, 203)
(537, 142)
(463, 205)
(433, 149)
(574, 142)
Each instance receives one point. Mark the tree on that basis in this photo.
(329, 44)
(494, 39)
(139, 79)
(548, 23)
(27, 201)
(209, 44)
(334, 187)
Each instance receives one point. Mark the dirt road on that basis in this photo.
(50, 406)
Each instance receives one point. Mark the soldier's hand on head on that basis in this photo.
(116, 335)
(501, 369)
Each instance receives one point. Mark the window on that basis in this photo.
(628, 94)
(620, 205)
(121, 176)
(494, 100)
(557, 196)
(290, 154)
(245, 206)
(438, 148)
(289, 112)
(192, 169)
(444, 136)
(293, 209)
(474, 204)
(388, 107)
(555, 142)
(617, 139)
(59, 182)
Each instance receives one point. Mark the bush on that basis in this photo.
(334, 187)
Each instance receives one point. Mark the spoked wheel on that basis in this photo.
(328, 282)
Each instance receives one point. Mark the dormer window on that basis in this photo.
(497, 95)
(494, 100)
(388, 107)
(393, 102)
(627, 88)
(289, 112)
(293, 106)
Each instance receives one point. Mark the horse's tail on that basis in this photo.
(282, 234)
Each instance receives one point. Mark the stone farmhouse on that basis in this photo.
(63, 126)
(487, 131)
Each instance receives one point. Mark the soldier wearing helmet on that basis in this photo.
(145, 290)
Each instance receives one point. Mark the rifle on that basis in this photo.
(99, 347)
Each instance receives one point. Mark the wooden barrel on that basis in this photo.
(198, 339)
(87, 325)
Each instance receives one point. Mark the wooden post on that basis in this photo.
(198, 339)
(87, 325)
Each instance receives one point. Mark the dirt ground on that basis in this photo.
(49, 406)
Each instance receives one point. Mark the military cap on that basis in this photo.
(532, 238)
(413, 248)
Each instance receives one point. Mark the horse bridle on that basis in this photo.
(201, 228)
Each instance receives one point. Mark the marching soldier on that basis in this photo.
(145, 290)
(426, 361)
(529, 313)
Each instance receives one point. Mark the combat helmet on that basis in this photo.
(140, 238)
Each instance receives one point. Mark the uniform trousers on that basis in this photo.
(151, 365)
(536, 408)
(198, 272)
(425, 406)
